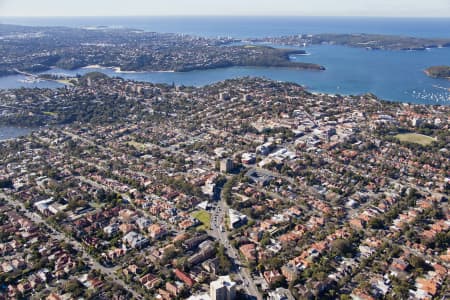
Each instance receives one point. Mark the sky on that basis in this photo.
(388, 8)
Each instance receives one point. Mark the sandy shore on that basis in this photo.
(119, 70)
(94, 67)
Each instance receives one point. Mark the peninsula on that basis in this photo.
(368, 41)
(438, 72)
(37, 49)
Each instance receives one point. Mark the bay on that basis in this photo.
(391, 75)
(10, 132)
(21, 81)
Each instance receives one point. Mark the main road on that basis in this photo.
(220, 232)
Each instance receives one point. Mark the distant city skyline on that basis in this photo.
(373, 8)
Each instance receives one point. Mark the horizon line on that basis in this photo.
(227, 15)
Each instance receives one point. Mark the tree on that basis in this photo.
(342, 247)
(74, 287)
(265, 240)
(224, 262)
(226, 191)
(419, 264)
(401, 289)
(376, 223)
(6, 184)
(169, 254)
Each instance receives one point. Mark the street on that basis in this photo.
(110, 272)
(220, 232)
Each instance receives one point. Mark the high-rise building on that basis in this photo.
(226, 165)
(223, 289)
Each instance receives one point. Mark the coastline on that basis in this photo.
(436, 72)
(419, 89)
(10, 132)
(119, 70)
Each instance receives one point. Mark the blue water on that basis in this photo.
(242, 27)
(392, 75)
(18, 81)
(10, 132)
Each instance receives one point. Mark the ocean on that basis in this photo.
(245, 27)
(391, 75)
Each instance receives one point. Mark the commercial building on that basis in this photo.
(223, 289)
(226, 165)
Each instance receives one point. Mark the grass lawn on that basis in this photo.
(138, 146)
(204, 217)
(65, 81)
(421, 139)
